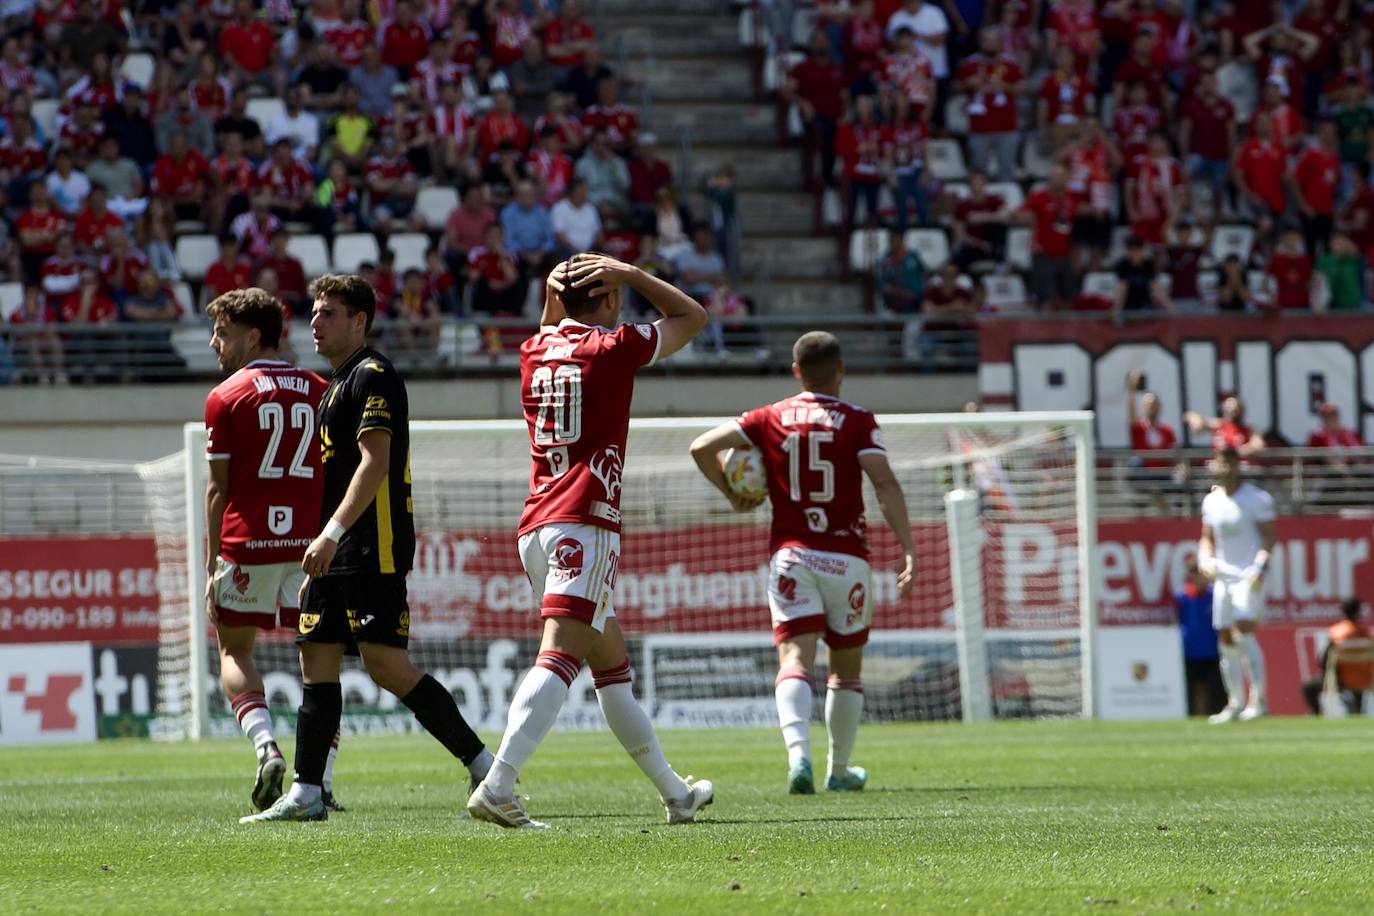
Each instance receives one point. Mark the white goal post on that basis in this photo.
(1001, 622)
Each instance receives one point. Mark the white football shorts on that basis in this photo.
(572, 568)
(1235, 598)
(819, 591)
(252, 596)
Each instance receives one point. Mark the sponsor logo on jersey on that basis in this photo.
(241, 580)
(279, 519)
(858, 595)
(307, 623)
(403, 624)
(787, 588)
(607, 468)
(877, 438)
(567, 554)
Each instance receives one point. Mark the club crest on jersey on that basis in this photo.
(241, 580)
(857, 596)
(567, 553)
(645, 330)
(607, 468)
(787, 588)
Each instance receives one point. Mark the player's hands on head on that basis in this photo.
(318, 557)
(603, 271)
(557, 280)
(907, 577)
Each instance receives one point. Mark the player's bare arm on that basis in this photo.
(1268, 538)
(683, 317)
(216, 498)
(375, 446)
(1207, 553)
(706, 452)
(892, 502)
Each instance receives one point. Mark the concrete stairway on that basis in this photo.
(701, 94)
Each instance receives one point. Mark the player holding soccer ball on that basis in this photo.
(577, 379)
(1237, 538)
(262, 504)
(815, 450)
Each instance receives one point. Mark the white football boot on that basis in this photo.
(484, 805)
(1253, 711)
(1229, 714)
(701, 794)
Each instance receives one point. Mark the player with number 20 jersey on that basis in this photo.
(816, 450)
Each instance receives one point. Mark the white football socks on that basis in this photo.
(1231, 676)
(1254, 664)
(481, 764)
(254, 718)
(303, 795)
(635, 733)
(533, 710)
(329, 763)
(844, 705)
(792, 690)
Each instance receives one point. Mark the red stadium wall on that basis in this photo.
(470, 584)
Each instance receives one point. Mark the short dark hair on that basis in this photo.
(578, 301)
(817, 355)
(353, 291)
(1229, 452)
(251, 308)
(1351, 608)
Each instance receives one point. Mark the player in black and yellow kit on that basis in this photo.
(355, 599)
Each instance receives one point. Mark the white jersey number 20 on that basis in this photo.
(560, 393)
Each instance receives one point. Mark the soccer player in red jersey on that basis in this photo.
(262, 504)
(576, 383)
(816, 450)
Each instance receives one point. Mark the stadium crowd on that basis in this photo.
(508, 102)
(1163, 154)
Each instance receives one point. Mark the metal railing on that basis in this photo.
(1302, 481)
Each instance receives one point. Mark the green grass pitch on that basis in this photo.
(1063, 817)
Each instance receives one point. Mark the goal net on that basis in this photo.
(998, 625)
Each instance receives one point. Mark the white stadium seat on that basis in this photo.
(312, 252)
(45, 114)
(866, 248)
(1019, 247)
(931, 244)
(946, 160)
(1231, 240)
(1005, 291)
(190, 341)
(352, 249)
(138, 69)
(195, 254)
(956, 115)
(1009, 191)
(11, 298)
(409, 248)
(434, 204)
(190, 308)
(1100, 283)
(1035, 162)
(264, 110)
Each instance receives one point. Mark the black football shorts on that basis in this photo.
(352, 608)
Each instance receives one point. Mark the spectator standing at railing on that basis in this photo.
(904, 152)
(1354, 678)
(1201, 657)
(859, 144)
(993, 82)
(1051, 212)
(930, 25)
(1315, 181)
(38, 228)
(1148, 434)
(1207, 137)
(1228, 430)
(1139, 285)
(1341, 274)
(1289, 272)
(817, 87)
(36, 340)
(1331, 435)
(1258, 168)
(899, 277)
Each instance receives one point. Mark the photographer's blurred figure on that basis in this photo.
(1201, 659)
(1353, 678)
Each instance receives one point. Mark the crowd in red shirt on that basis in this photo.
(1168, 125)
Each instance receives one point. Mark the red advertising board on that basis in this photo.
(1283, 367)
(98, 589)
(470, 583)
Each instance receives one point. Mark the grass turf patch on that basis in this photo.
(1050, 817)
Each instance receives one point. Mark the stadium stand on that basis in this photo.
(360, 138)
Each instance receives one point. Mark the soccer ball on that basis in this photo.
(744, 472)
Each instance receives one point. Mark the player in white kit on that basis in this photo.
(1237, 538)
